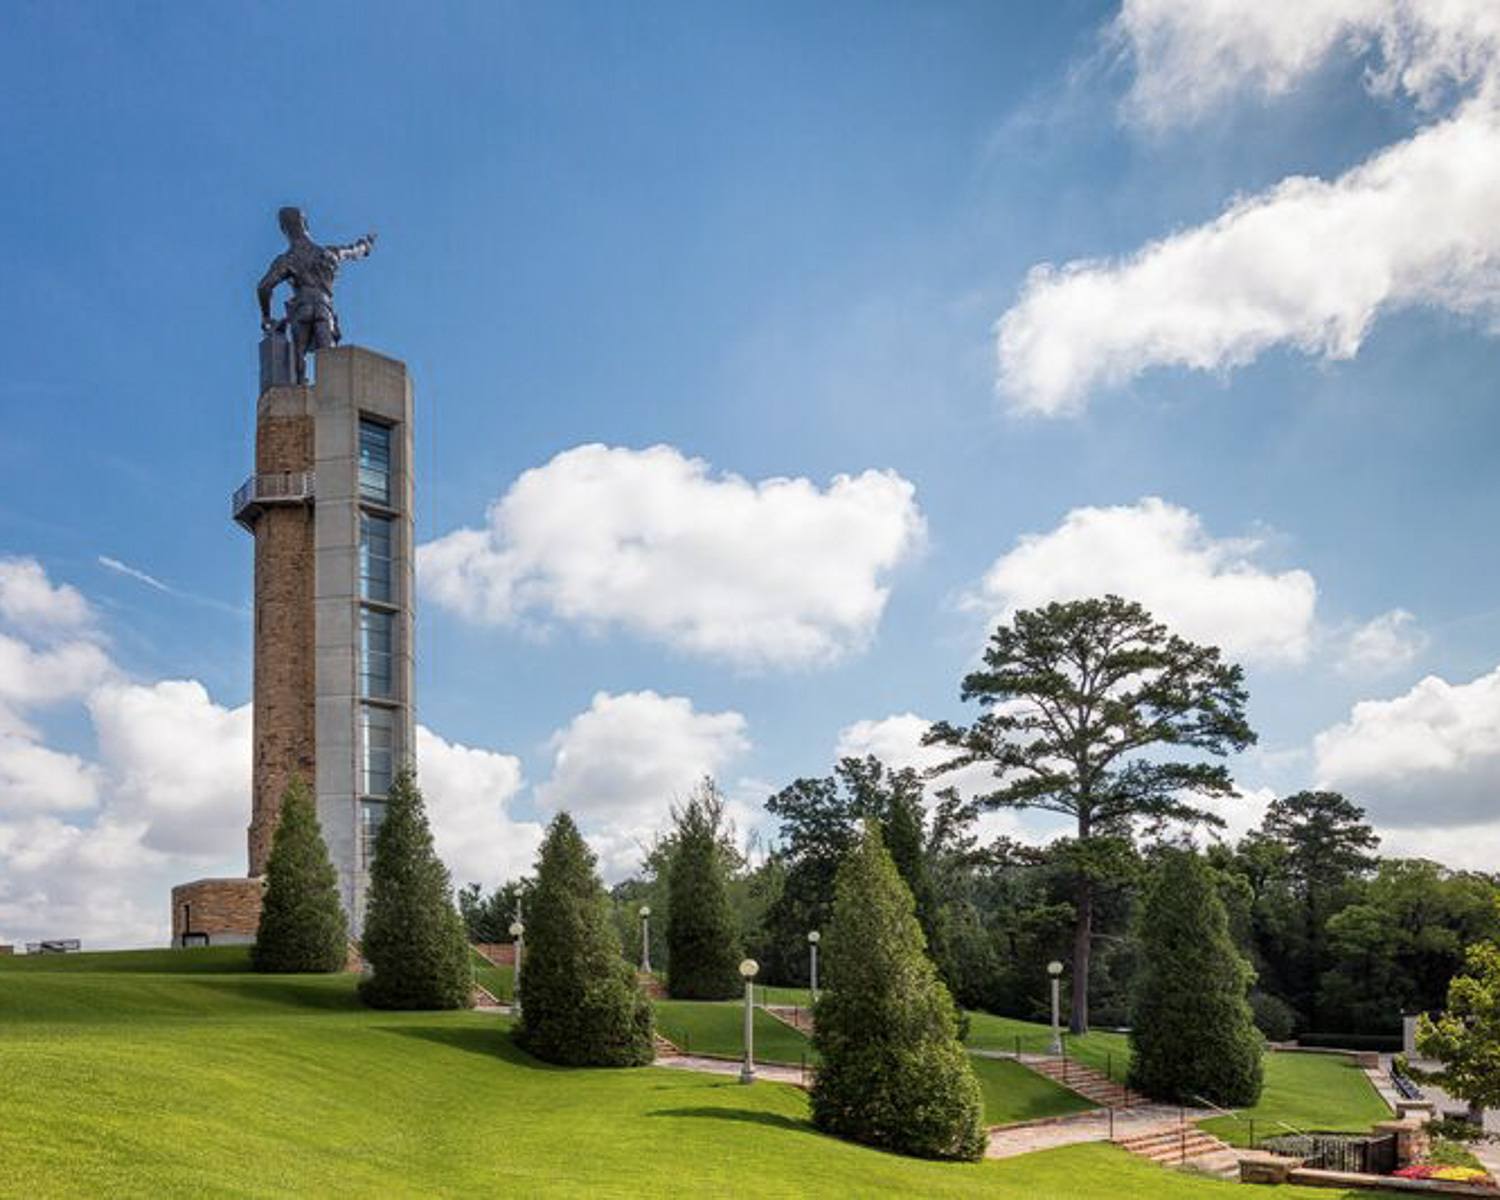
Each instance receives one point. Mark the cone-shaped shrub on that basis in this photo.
(703, 937)
(1193, 1034)
(894, 1073)
(302, 925)
(414, 938)
(581, 1004)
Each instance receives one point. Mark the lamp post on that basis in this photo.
(646, 939)
(1055, 969)
(813, 938)
(748, 968)
(518, 931)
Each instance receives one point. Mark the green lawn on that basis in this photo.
(500, 982)
(718, 1027)
(1309, 1092)
(1016, 1093)
(120, 1078)
(1107, 1052)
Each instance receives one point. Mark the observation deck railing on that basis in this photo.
(271, 488)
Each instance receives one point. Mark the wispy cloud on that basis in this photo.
(151, 581)
(114, 564)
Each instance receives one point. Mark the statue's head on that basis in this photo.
(292, 222)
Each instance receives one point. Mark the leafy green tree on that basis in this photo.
(894, 1074)
(703, 935)
(1404, 936)
(302, 924)
(1192, 1031)
(489, 918)
(413, 938)
(1465, 1037)
(1084, 703)
(820, 820)
(1327, 849)
(581, 1003)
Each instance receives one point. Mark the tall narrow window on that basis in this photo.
(375, 534)
(376, 646)
(371, 815)
(375, 462)
(378, 732)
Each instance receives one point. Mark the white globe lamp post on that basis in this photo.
(1055, 969)
(813, 938)
(646, 938)
(518, 932)
(748, 969)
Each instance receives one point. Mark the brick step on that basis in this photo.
(1172, 1146)
(1087, 1082)
(665, 1047)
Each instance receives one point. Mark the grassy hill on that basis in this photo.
(182, 1074)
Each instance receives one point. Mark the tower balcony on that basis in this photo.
(260, 492)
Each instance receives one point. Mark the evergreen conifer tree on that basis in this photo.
(414, 938)
(894, 1074)
(703, 941)
(1193, 1035)
(302, 925)
(581, 1003)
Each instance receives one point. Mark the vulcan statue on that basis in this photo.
(310, 269)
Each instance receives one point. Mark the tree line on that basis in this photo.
(1094, 711)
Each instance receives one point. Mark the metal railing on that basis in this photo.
(273, 487)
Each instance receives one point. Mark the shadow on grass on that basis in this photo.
(491, 1041)
(329, 993)
(748, 1116)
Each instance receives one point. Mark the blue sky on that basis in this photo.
(776, 240)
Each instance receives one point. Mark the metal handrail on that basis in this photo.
(273, 487)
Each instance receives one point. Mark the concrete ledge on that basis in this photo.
(1308, 1177)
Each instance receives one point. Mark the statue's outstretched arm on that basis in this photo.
(359, 248)
(277, 272)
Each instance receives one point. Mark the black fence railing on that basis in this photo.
(1359, 1153)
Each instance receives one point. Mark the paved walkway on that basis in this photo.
(1487, 1153)
(1007, 1141)
(771, 1072)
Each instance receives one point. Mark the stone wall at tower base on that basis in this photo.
(216, 912)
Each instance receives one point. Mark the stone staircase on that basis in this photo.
(798, 1018)
(1090, 1084)
(666, 1048)
(1184, 1145)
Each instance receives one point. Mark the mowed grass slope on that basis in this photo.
(1308, 1092)
(122, 1079)
(1305, 1091)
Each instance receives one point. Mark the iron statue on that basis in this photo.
(310, 317)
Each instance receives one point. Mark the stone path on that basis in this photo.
(1144, 1120)
(770, 1072)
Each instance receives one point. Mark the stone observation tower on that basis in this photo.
(330, 508)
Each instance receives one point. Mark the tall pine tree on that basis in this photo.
(414, 938)
(894, 1073)
(703, 941)
(302, 925)
(581, 1003)
(1193, 1034)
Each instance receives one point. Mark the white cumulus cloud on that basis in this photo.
(1385, 643)
(30, 600)
(775, 573)
(1429, 758)
(469, 793)
(1207, 589)
(620, 765)
(1309, 263)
